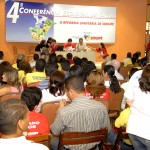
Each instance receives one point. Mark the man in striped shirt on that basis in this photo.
(81, 115)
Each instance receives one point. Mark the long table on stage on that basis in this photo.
(90, 55)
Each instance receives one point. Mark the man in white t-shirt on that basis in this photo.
(14, 120)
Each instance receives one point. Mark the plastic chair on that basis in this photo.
(49, 109)
(10, 96)
(115, 104)
(75, 138)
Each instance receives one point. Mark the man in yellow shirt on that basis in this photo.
(39, 74)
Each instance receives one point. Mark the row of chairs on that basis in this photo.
(75, 138)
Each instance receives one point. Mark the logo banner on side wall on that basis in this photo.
(32, 22)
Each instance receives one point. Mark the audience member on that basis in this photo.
(121, 121)
(125, 85)
(69, 46)
(20, 57)
(81, 46)
(138, 100)
(127, 61)
(75, 70)
(87, 68)
(1, 56)
(24, 68)
(38, 123)
(65, 66)
(77, 61)
(39, 74)
(55, 91)
(113, 56)
(95, 87)
(33, 62)
(69, 57)
(49, 68)
(111, 81)
(116, 64)
(14, 120)
(10, 76)
(3, 66)
(76, 117)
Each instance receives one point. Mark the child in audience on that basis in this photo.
(38, 123)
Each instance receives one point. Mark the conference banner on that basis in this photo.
(32, 22)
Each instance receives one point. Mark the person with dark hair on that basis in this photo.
(77, 61)
(95, 87)
(111, 81)
(3, 66)
(33, 62)
(41, 45)
(125, 86)
(83, 60)
(24, 68)
(49, 68)
(113, 56)
(39, 74)
(53, 46)
(52, 58)
(65, 66)
(75, 70)
(81, 115)
(127, 61)
(138, 98)
(87, 68)
(55, 91)
(38, 123)
(69, 46)
(103, 52)
(10, 76)
(1, 56)
(14, 120)
(81, 46)
(69, 57)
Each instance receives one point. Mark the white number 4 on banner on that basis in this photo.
(13, 12)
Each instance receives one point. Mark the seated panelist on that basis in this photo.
(69, 46)
(81, 46)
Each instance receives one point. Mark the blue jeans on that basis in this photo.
(111, 137)
(139, 143)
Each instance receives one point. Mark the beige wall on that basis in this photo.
(130, 28)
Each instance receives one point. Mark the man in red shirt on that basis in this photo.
(38, 123)
(69, 46)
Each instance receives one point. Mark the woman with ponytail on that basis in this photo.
(111, 81)
(55, 91)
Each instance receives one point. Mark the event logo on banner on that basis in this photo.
(32, 22)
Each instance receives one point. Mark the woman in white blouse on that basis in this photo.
(138, 98)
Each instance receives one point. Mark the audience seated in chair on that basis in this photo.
(81, 115)
(39, 74)
(116, 64)
(38, 123)
(55, 92)
(10, 76)
(14, 119)
(95, 87)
